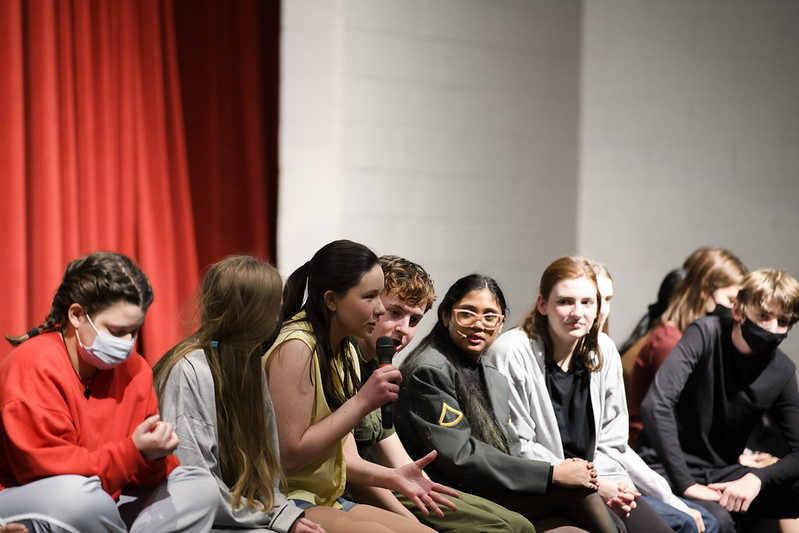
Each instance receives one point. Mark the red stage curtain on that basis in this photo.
(95, 153)
(229, 56)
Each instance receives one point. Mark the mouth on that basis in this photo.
(397, 344)
(474, 339)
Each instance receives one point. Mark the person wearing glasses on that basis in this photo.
(452, 401)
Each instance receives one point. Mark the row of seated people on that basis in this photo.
(271, 424)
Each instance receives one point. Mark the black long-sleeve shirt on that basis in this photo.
(707, 398)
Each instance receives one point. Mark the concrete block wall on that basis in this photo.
(689, 137)
(497, 135)
(445, 131)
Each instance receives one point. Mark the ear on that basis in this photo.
(541, 305)
(331, 300)
(74, 313)
(445, 319)
(737, 312)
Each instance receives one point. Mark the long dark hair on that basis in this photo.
(338, 267)
(471, 388)
(656, 309)
(439, 337)
(239, 307)
(95, 282)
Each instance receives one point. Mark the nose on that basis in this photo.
(771, 325)
(380, 309)
(403, 326)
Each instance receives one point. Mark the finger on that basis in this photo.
(443, 489)
(441, 500)
(719, 486)
(432, 505)
(149, 422)
(427, 459)
(418, 503)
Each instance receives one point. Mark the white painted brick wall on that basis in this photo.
(689, 138)
(496, 135)
(444, 131)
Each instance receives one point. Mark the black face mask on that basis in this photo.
(760, 340)
(723, 312)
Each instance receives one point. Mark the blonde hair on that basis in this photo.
(601, 270)
(765, 286)
(536, 325)
(240, 305)
(709, 269)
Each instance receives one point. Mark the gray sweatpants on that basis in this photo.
(185, 502)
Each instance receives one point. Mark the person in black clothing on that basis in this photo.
(711, 392)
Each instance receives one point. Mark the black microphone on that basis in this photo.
(385, 353)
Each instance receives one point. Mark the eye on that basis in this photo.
(784, 322)
(394, 312)
(414, 321)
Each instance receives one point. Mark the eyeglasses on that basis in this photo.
(466, 319)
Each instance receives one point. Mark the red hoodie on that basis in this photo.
(50, 428)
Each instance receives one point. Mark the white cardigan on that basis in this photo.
(521, 360)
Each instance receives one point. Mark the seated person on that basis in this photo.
(212, 388)
(407, 296)
(80, 426)
(566, 394)
(454, 402)
(711, 283)
(712, 391)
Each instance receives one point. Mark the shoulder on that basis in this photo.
(784, 364)
(34, 366)
(610, 353)
(514, 340)
(293, 330)
(193, 368)
(428, 362)
(516, 354)
(431, 357)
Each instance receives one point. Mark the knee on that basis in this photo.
(82, 503)
(519, 524)
(204, 490)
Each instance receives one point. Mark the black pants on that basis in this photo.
(781, 501)
(643, 519)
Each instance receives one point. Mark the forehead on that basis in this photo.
(393, 301)
(122, 314)
(478, 300)
(371, 280)
(580, 287)
(770, 306)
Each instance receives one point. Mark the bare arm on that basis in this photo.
(408, 479)
(291, 376)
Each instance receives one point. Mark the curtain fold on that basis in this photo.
(96, 154)
(147, 127)
(229, 55)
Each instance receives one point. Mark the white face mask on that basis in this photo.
(106, 351)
